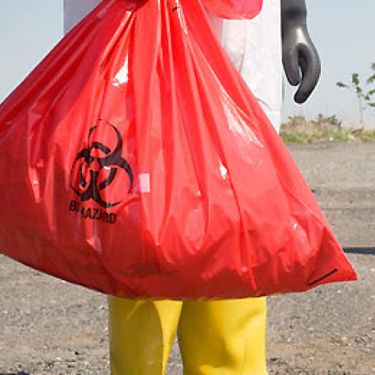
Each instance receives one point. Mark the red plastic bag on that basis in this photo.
(234, 9)
(135, 161)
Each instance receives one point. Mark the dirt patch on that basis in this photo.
(50, 327)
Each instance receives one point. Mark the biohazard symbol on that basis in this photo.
(96, 167)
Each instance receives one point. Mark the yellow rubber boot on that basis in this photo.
(141, 334)
(223, 337)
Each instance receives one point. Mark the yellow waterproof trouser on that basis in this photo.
(216, 337)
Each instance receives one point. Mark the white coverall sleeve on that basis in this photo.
(255, 48)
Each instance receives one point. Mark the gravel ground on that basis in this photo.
(50, 327)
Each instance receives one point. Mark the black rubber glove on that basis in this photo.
(300, 57)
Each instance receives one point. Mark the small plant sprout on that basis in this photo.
(363, 92)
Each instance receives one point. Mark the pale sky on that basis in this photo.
(342, 30)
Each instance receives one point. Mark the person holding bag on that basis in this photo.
(227, 336)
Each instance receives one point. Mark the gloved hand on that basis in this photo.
(300, 57)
